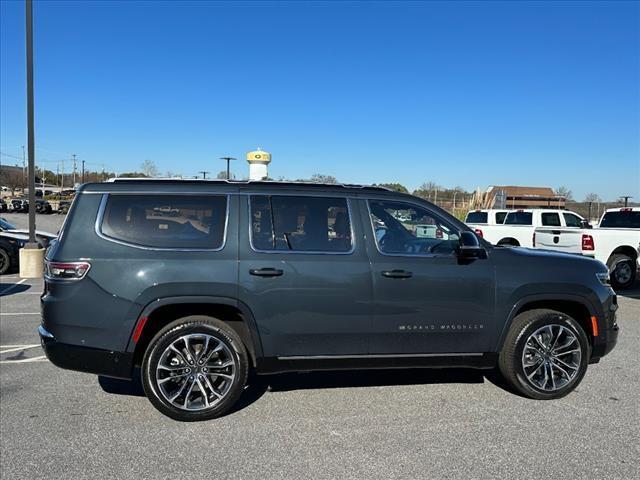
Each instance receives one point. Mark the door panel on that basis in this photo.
(426, 301)
(305, 303)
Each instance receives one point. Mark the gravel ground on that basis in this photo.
(383, 425)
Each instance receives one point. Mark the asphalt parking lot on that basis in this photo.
(393, 424)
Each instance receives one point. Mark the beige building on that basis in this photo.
(515, 197)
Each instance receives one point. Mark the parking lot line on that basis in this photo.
(15, 348)
(6, 290)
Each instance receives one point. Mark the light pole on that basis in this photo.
(32, 244)
(228, 159)
(82, 171)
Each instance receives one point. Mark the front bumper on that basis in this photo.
(85, 359)
(608, 331)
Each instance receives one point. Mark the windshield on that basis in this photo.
(623, 219)
(519, 218)
(4, 225)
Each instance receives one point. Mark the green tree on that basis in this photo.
(398, 187)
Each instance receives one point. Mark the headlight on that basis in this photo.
(603, 278)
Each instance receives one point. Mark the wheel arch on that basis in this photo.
(508, 241)
(577, 307)
(627, 250)
(162, 311)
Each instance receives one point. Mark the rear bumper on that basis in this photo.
(85, 359)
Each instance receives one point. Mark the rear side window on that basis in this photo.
(477, 217)
(167, 221)
(300, 224)
(624, 219)
(550, 220)
(500, 216)
(519, 218)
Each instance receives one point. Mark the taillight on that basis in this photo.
(587, 243)
(66, 270)
(479, 232)
(438, 233)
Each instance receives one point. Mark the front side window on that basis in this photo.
(402, 228)
(300, 224)
(166, 221)
(550, 220)
(572, 220)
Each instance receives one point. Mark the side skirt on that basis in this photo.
(271, 365)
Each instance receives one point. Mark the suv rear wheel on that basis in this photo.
(195, 369)
(545, 354)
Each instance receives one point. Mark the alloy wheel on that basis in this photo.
(195, 372)
(622, 273)
(551, 357)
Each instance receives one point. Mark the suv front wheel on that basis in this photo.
(195, 369)
(545, 354)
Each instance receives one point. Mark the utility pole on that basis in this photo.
(626, 199)
(74, 169)
(204, 174)
(228, 160)
(82, 171)
(24, 167)
(62, 177)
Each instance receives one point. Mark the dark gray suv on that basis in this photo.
(200, 282)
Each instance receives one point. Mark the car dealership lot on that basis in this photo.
(393, 424)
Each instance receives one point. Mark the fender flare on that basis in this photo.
(250, 320)
(537, 297)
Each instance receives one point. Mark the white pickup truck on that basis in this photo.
(519, 225)
(615, 242)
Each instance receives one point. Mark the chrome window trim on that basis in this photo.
(409, 255)
(297, 252)
(103, 206)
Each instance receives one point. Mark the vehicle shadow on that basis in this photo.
(285, 382)
(633, 292)
(7, 289)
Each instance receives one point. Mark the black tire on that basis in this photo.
(196, 324)
(5, 261)
(511, 357)
(623, 271)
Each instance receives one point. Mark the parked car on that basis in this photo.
(63, 206)
(616, 242)
(3, 205)
(20, 205)
(43, 206)
(12, 240)
(519, 225)
(486, 217)
(274, 277)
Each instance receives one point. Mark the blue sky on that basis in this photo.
(467, 94)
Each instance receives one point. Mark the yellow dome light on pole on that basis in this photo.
(258, 161)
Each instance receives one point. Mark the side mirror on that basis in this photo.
(470, 248)
(585, 224)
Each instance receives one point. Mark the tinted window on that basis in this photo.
(550, 220)
(500, 216)
(519, 218)
(628, 219)
(477, 217)
(572, 220)
(168, 221)
(401, 228)
(301, 224)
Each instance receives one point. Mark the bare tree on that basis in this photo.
(564, 192)
(592, 198)
(149, 168)
(13, 179)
